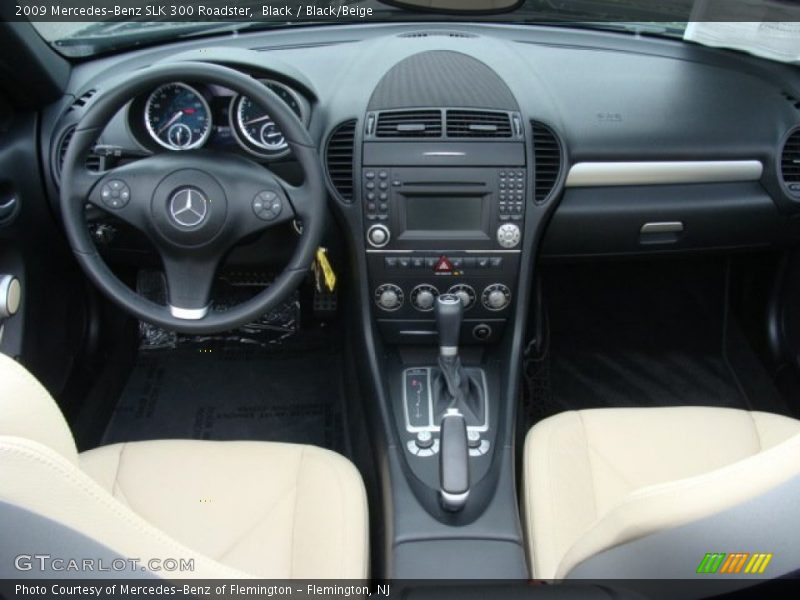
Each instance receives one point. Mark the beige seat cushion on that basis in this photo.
(238, 509)
(270, 509)
(580, 466)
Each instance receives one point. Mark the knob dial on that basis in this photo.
(465, 293)
(496, 297)
(389, 297)
(423, 297)
(378, 236)
(508, 235)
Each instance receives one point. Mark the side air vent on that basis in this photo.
(82, 100)
(450, 34)
(339, 159)
(410, 124)
(546, 160)
(478, 124)
(790, 163)
(93, 161)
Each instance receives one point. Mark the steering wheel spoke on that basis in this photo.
(189, 285)
(123, 194)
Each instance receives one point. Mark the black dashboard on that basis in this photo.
(633, 144)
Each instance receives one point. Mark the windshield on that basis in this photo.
(143, 22)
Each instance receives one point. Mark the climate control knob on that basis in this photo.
(378, 236)
(465, 293)
(496, 297)
(423, 297)
(389, 297)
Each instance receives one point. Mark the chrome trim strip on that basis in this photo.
(589, 174)
(189, 314)
(440, 252)
(662, 227)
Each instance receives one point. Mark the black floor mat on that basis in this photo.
(235, 392)
(643, 334)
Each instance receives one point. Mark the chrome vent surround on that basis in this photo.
(339, 155)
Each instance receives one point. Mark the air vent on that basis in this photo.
(93, 161)
(424, 34)
(546, 159)
(410, 123)
(790, 163)
(82, 100)
(478, 124)
(339, 159)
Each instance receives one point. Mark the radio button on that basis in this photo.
(370, 174)
(370, 185)
(383, 175)
(509, 235)
(378, 236)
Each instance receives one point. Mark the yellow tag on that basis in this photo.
(327, 270)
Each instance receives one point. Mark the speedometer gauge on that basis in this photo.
(177, 117)
(254, 127)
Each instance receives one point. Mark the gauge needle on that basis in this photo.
(174, 118)
(257, 120)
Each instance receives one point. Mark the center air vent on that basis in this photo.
(410, 124)
(478, 124)
(94, 162)
(546, 161)
(339, 159)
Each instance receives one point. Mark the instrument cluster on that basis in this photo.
(181, 116)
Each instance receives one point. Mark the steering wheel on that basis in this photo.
(193, 205)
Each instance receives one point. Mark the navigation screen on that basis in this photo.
(444, 213)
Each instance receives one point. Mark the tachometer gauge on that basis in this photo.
(177, 117)
(257, 126)
(254, 127)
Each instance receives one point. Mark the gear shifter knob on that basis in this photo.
(449, 314)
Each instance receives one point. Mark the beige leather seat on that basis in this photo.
(239, 509)
(647, 492)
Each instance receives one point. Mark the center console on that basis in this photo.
(452, 228)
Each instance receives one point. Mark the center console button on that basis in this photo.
(425, 440)
(465, 293)
(509, 235)
(378, 236)
(389, 297)
(473, 439)
(423, 297)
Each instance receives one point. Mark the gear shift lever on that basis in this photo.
(454, 455)
(449, 314)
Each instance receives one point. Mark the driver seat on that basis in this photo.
(236, 509)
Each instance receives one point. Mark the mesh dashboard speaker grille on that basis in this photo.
(339, 159)
(442, 78)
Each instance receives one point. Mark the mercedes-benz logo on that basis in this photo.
(188, 207)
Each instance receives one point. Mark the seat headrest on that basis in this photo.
(28, 411)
